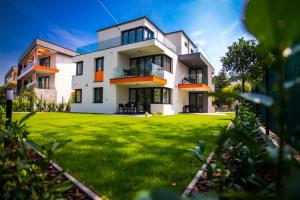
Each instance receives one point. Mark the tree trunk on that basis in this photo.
(243, 85)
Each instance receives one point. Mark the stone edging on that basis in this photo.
(196, 178)
(82, 187)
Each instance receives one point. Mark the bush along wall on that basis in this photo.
(28, 102)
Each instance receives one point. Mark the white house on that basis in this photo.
(135, 68)
(46, 69)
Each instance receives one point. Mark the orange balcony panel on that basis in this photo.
(99, 76)
(194, 87)
(46, 68)
(141, 80)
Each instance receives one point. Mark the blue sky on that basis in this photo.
(213, 24)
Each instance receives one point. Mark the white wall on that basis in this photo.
(63, 79)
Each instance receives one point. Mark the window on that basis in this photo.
(43, 82)
(45, 61)
(99, 64)
(185, 44)
(136, 35)
(78, 96)
(167, 63)
(166, 95)
(125, 37)
(98, 95)
(132, 94)
(157, 95)
(139, 34)
(131, 38)
(144, 64)
(79, 68)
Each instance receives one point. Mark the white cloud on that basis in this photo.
(197, 33)
(201, 42)
(231, 28)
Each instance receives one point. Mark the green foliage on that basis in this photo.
(160, 113)
(147, 114)
(243, 61)
(221, 80)
(25, 102)
(153, 114)
(21, 178)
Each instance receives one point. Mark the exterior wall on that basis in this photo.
(166, 109)
(63, 79)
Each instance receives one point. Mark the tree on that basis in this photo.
(243, 62)
(221, 80)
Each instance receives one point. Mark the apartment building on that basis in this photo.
(135, 68)
(46, 69)
(10, 79)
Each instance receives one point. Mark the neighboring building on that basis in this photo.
(138, 65)
(46, 69)
(10, 80)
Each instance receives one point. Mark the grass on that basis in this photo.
(118, 156)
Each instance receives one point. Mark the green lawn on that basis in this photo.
(119, 155)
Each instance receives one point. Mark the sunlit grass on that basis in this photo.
(118, 155)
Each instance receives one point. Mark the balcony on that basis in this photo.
(116, 41)
(37, 68)
(192, 84)
(152, 75)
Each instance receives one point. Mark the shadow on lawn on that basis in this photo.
(27, 116)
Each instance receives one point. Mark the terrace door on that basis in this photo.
(143, 100)
(196, 102)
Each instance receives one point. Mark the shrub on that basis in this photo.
(147, 114)
(25, 102)
(160, 113)
(22, 177)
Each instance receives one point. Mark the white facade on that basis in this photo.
(119, 57)
(50, 79)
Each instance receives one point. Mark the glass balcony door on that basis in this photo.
(196, 102)
(196, 76)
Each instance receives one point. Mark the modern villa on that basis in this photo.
(135, 67)
(46, 69)
(10, 79)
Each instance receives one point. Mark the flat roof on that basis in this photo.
(49, 45)
(145, 17)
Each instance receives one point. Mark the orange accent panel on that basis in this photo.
(50, 69)
(186, 86)
(99, 76)
(139, 79)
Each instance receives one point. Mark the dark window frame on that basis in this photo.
(75, 98)
(46, 83)
(100, 93)
(43, 60)
(102, 67)
(150, 35)
(77, 71)
(162, 64)
(152, 94)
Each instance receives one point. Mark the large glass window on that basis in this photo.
(157, 95)
(99, 64)
(136, 35)
(125, 37)
(43, 82)
(98, 95)
(45, 61)
(166, 95)
(78, 96)
(144, 64)
(131, 36)
(139, 34)
(79, 68)
(132, 95)
(167, 63)
(196, 76)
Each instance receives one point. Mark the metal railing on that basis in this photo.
(151, 69)
(116, 41)
(190, 79)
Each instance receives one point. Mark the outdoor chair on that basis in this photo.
(121, 108)
(186, 109)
